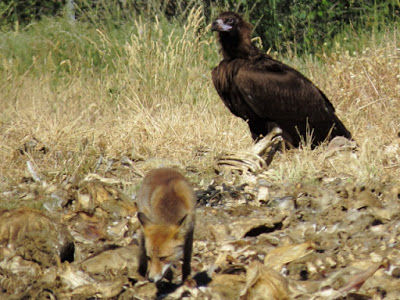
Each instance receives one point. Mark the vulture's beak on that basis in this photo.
(218, 25)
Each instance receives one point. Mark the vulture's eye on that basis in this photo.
(229, 21)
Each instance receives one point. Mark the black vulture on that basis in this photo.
(267, 93)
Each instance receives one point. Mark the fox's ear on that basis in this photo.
(181, 221)
(143, 219)
(184, 191)
(180, 233)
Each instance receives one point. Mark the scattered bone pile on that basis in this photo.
(253, 240)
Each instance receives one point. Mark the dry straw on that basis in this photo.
(160, 105)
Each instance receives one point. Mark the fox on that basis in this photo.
(166, 212)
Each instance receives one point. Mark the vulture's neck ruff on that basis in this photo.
(234, 37)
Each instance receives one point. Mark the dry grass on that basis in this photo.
(364, 87)
(160, 104)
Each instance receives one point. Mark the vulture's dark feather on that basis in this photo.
(267, 93)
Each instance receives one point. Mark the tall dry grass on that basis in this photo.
(364, 87)
(158, 103)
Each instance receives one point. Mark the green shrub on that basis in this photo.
(25, 11)
(294, 26)
(305, 25)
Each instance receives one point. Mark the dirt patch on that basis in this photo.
(330, 241)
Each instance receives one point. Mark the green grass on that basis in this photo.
(57, 46)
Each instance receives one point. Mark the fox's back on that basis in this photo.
(166, 212)
(165, 196)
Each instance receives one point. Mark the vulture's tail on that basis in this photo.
(339, 129)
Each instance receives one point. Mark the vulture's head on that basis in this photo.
(227, 22)
(234, 35)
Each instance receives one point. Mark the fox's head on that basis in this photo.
(164, 245)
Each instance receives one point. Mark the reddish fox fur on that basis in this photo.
(166, 211)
